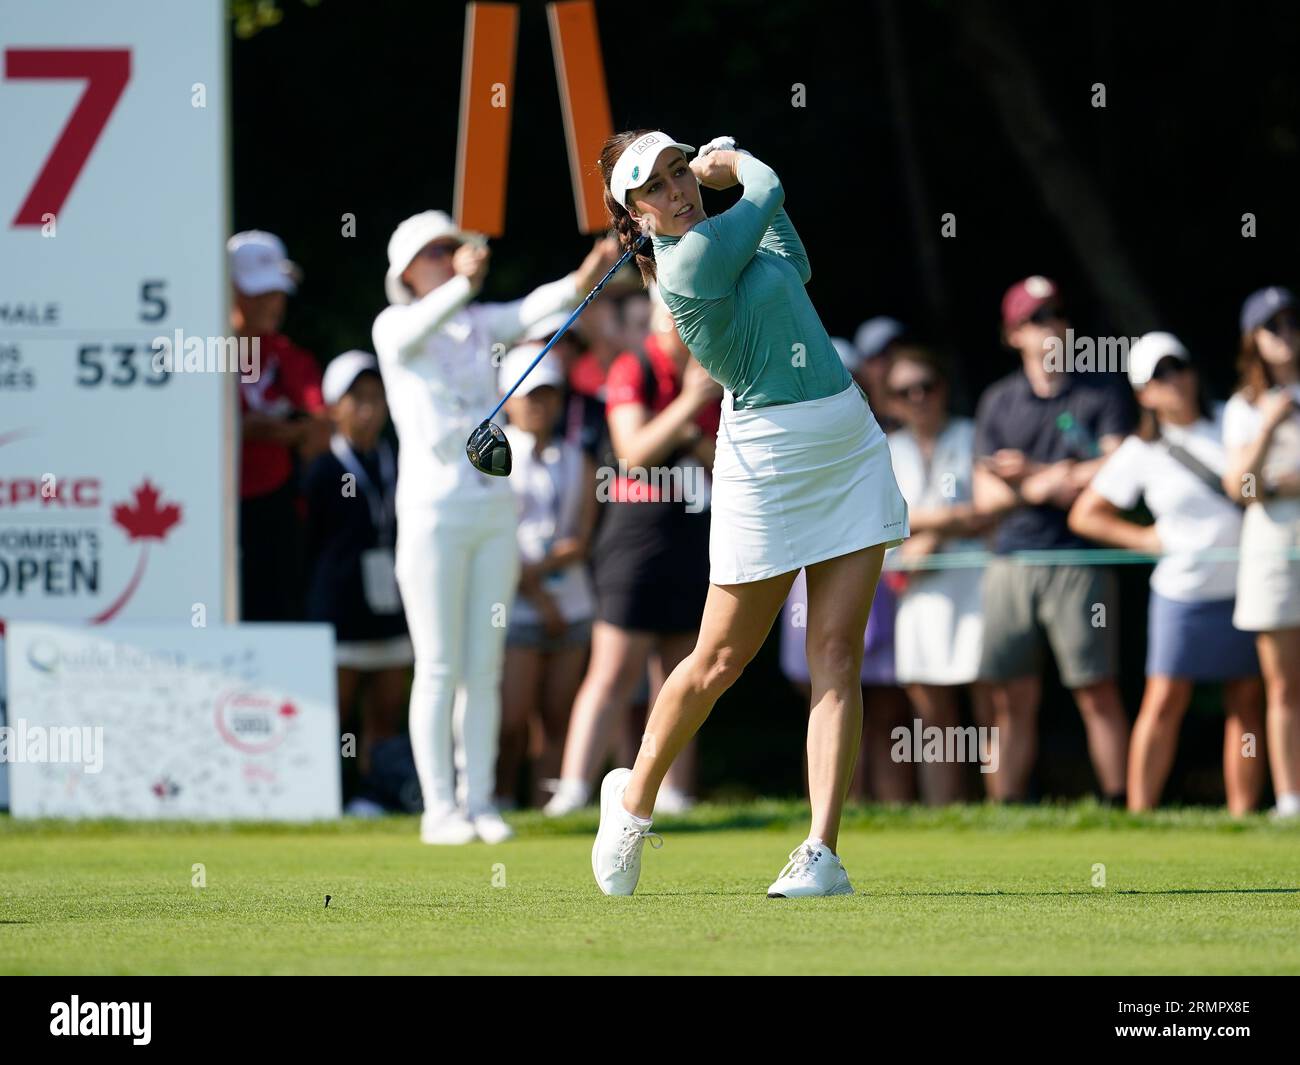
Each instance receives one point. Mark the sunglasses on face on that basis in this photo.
(1280, 323)
(438, 251)
(1168, 368)
(1046, 314)
(917, 390)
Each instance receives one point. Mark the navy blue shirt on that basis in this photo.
(340, 529)
(1068, 425)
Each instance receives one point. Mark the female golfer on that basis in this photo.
(802, 479)
(457, 560)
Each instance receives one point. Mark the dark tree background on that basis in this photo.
(912, 109)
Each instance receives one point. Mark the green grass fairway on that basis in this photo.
(961, 890)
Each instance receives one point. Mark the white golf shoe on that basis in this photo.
(616, 854)
(812, 870)
(445, 824)
(491, 827)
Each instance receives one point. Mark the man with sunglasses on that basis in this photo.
(1040, 436)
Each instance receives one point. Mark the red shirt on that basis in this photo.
(290, 380)
(587, 375)
(626, 384)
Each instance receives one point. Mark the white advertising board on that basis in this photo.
(115, 479)
(170, 721)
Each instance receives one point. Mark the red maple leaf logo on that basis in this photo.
(288, 710)
(146, 520)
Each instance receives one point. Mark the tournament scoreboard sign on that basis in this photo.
(237, 722)
(115, 477)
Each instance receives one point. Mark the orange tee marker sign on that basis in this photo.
(486, 102)
(585, 102)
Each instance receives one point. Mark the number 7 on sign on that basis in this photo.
(106, 70)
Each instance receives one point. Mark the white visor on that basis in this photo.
(637, 161)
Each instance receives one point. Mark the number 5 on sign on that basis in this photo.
(106, 70)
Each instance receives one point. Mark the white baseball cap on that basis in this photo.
(1148, 351)
(876, 334)
(342, 372)
(517, 360)
(637, 161)
(405, 244)
(260, 264)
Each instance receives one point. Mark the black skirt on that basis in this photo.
(650, 566)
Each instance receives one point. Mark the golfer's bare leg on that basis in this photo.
(737, 619)
(840, 591)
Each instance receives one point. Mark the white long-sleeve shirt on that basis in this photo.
(435, 356)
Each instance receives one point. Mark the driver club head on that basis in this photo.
(489, 450)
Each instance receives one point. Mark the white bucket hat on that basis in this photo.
(406, 242)
(637, 161)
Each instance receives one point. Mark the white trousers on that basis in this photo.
(458, 568)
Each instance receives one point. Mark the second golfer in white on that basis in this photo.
(457, 560)
(802, 480)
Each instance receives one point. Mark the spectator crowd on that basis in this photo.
(500, 640)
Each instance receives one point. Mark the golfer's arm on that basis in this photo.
(781, 239)
(507, 322)
(724, 245)
(402, 331)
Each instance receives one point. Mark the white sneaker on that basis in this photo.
(491, 826)
(570, 796)
(813, 870)
(616, 854)
(672, 801)
(446, 824)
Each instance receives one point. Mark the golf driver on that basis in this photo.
(487, 447)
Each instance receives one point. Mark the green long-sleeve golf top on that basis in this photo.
(735, 285)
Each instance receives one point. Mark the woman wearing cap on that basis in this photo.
(1262, 434)
(801, 479)
(352, 529)
(1176, 462)
(457, 562)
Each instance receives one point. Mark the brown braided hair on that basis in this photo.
(625, 228)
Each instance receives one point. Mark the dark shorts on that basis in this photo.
(1196, 641)
(1074, 610)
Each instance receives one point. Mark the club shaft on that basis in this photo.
(572, 318)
